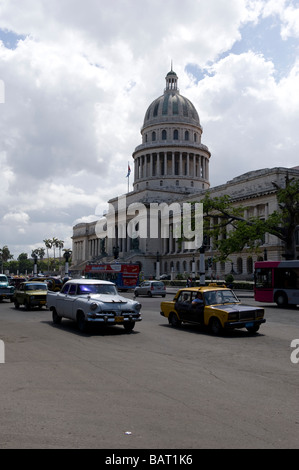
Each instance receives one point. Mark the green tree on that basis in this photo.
(5, 255)
(220, 214)
(25, 264)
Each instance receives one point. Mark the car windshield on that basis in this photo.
(3, 279)
(96, 289)
(220, 297)
(35, 287)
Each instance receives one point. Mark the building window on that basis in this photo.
(249, 265)
(186, 135)
(195, 137)
(153, 136)
(239, 265)
(164, 134)
(177, 183)
(161, 183)
(175, 134)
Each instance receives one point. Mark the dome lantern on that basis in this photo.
(171, 81)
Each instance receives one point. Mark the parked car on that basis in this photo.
(219, 309)
(90, 301)
(6, 290)
(31, 294)
(150, 288)
(15, 281)
(54, 283)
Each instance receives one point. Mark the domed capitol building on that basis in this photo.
(171, 166)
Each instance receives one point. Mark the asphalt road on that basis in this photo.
(156, 388)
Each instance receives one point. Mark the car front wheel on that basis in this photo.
(129, 326)
(215, 326)
(253, 329)
(81, 322)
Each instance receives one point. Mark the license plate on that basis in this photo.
(119, 319)
(249, 324)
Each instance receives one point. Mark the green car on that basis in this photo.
(31, 294)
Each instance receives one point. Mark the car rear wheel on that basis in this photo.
(174, 321)
(149, 294)
(17, 305)
(55, 317)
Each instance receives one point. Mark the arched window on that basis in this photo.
(195, 137)
(186, 135)
(164, 134)
(249, 265)
(153, 136)
(239, 265)
(175, 134)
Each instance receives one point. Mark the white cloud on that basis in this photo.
(78, 84)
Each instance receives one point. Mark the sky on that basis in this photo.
(76, 79)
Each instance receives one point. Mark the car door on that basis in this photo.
(67, 298)
(196, 312)
(183, 305)
(19, 293)
(60, 300)
(144, 288)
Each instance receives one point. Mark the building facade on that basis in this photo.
(171, 166)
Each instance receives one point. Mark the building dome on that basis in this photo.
(171, 106)
(171, 155)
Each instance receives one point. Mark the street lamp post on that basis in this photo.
(158, 266)
(193, 270)
(35, 265)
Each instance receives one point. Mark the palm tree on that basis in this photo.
(48, 242)
(60, 244)
(54, 245)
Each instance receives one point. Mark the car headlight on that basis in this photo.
(233, 316)
(93, 306)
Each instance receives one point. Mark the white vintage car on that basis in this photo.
(88, 301)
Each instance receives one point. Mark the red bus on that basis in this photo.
(277, 281)
(124, 275)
